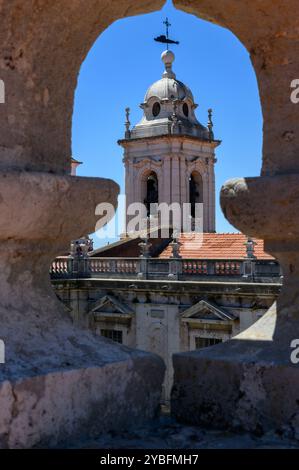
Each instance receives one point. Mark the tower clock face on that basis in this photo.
(156, 109)
(185, 109)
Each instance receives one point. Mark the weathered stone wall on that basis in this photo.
(269, 31)
(43, 207)
(258, 362)
(43, 44)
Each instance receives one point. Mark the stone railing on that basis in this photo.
(212, 267)
(112, 265)
(171, 268)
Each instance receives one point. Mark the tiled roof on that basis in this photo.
(216, 246)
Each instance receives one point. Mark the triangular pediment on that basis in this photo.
(110, 305)
(204, 310)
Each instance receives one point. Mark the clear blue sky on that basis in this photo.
(125, 60)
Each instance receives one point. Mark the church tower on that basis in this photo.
(169, 156)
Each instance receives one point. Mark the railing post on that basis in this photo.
(142, 268)
(113, 267)
(80, 266)
(248, 269)
(87, 266)
(75, 264)
(175, 268)
(70, 265)
(175, 263)
(211, 268)
(145, 247)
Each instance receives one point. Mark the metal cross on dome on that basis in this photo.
(164, 39)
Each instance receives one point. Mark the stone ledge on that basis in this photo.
(47, 409)
(248, 383)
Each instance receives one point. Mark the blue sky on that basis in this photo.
(125, 60)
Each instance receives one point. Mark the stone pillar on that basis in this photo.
(128, 187)
(175, 177)
(183, 185)
(250, 382)
(206, 199)
(212, 211)
(184, 189)
(59, 381)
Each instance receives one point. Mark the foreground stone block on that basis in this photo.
(58, 381)
(248, 383)
(99, 387)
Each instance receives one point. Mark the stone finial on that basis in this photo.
(145, 244)
(145, 247)
(210, 124)
(127, 124)
(168, 58)
(81, 247)
(175, 245)
(250, 244)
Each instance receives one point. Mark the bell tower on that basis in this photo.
(169, 156)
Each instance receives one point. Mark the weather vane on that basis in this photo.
(165, 38)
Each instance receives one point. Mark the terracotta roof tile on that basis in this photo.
(216, 246)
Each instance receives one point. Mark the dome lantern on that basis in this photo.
(158, 116)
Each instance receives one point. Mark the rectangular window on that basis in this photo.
(157, 313)
(205, 342)
(115, 335)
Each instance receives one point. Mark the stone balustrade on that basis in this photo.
(155, 268)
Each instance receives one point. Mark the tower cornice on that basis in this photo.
(168, 137)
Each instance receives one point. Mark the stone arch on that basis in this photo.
(149, 188)
(41, 134)
(265, 207)
(141, 179)
(43, 45)
(42, 208)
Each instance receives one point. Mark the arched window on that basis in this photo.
(195, 191)
(151, 191)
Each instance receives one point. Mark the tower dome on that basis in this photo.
(168, 88)
(168, 107)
